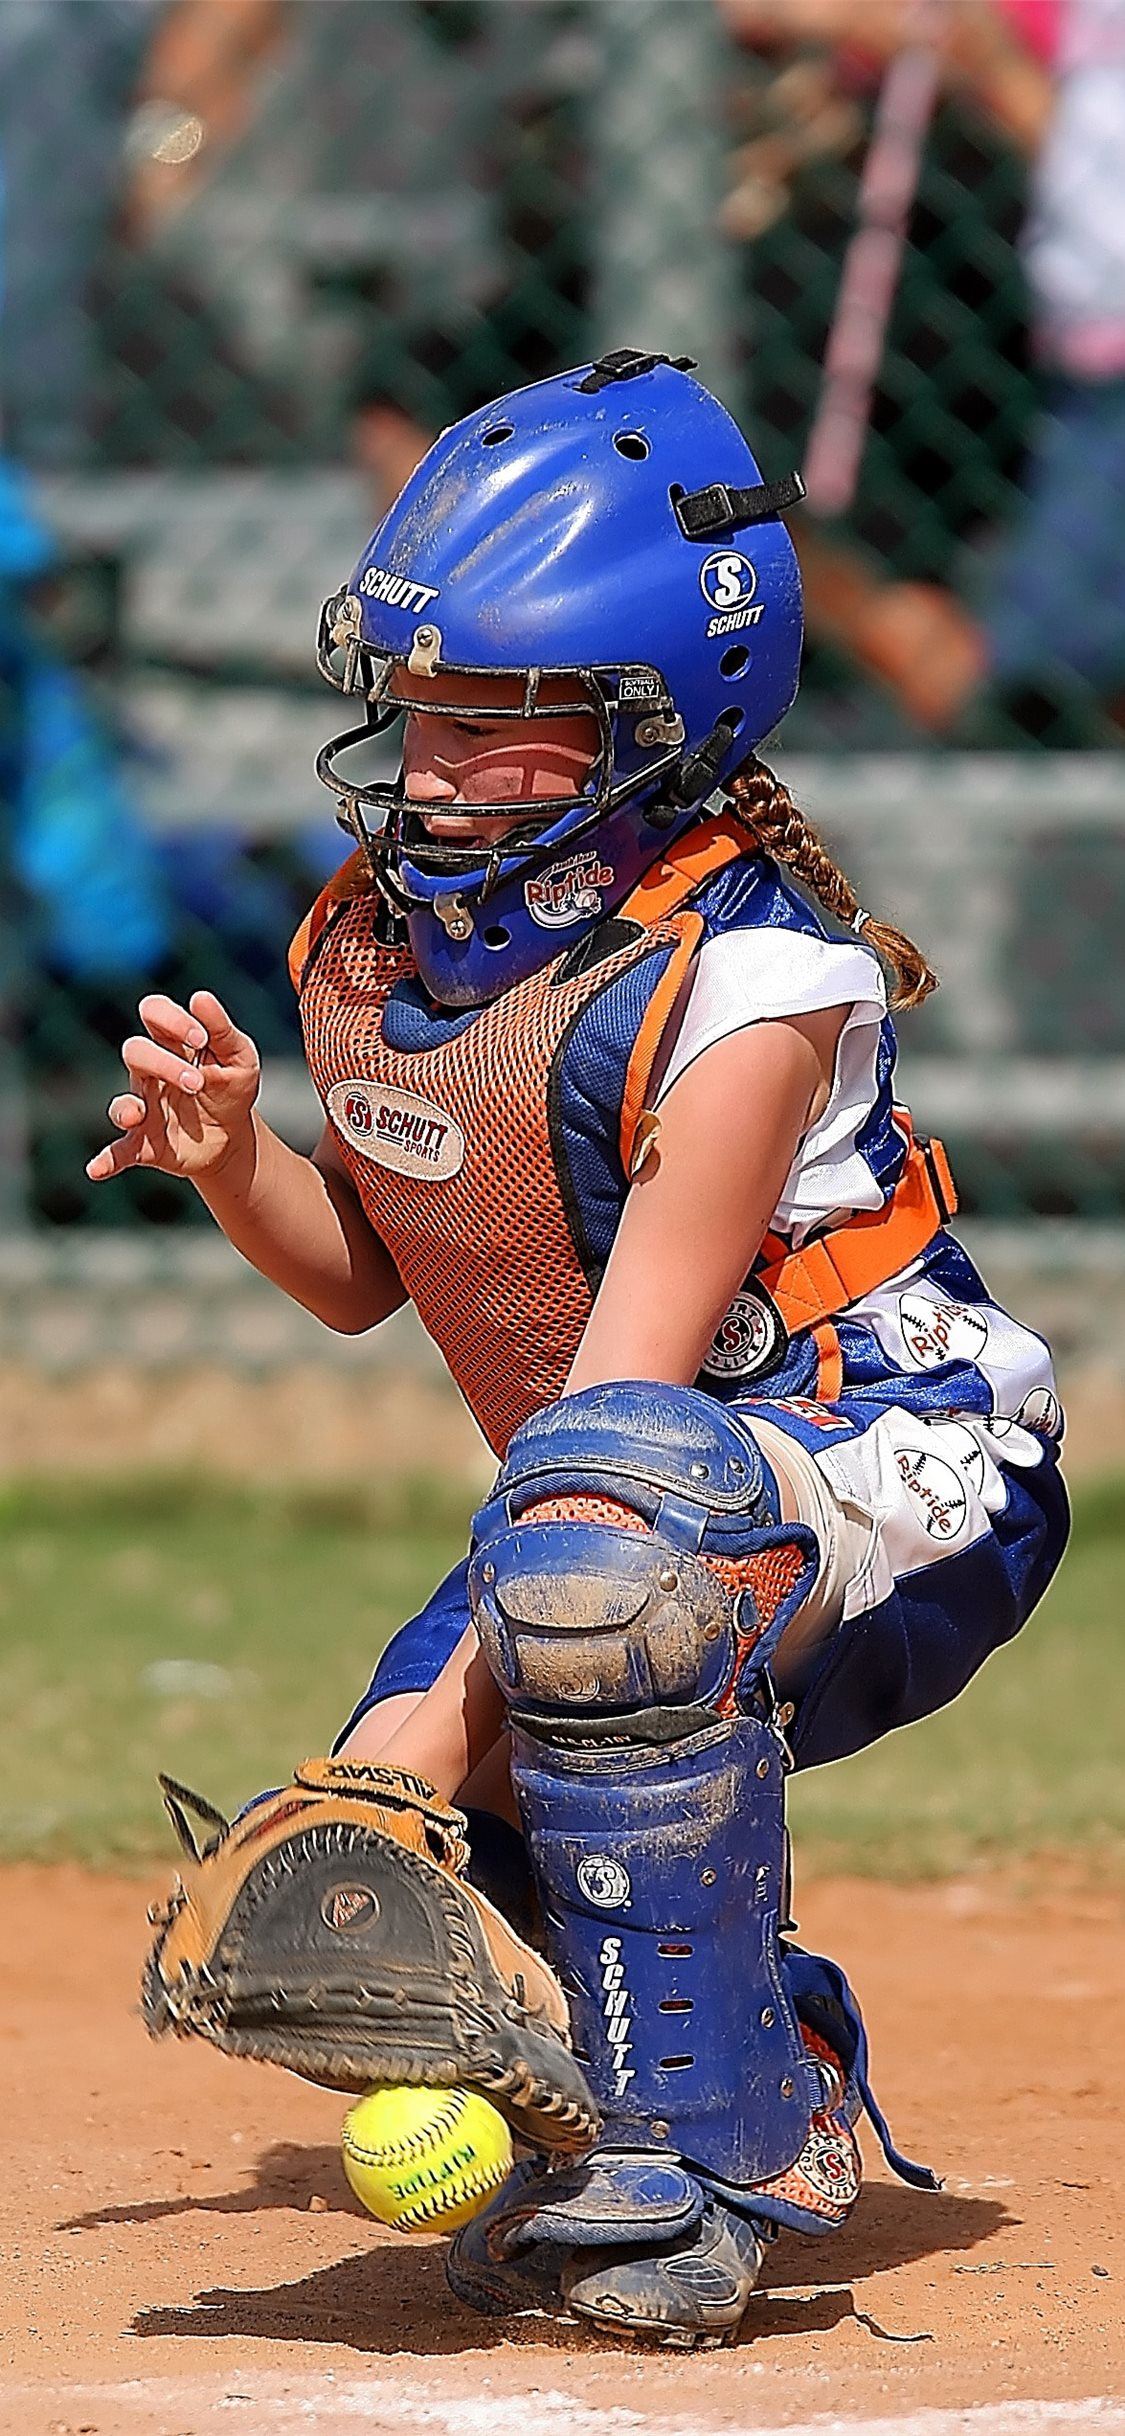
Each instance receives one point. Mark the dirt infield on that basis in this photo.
(183, 2254)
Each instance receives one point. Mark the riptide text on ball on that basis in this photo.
(425, 2160)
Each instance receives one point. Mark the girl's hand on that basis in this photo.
(193, 1078)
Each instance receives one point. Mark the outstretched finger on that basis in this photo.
(129, 1112)
(127, 1151)
(226, 1043)
(171, 1024)
(146, 1059)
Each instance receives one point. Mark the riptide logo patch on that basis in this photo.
(1041, 1412)
(396, 1129)
(937, 1332)
(936, 1490)
(728, 581)
(569, 891)
(963, 1448)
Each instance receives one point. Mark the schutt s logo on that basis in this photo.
(749, 1339)
(397, 1129)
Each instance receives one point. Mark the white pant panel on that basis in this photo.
(919, 1326)
(932, 1486)
(895, 1498)
(843, 1526)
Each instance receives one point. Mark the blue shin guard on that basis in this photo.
(661, 1876)
(630, 1583)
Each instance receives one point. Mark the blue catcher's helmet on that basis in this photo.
(608, 530)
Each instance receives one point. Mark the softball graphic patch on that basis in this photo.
(936, 1490)
(749, 1339)
(936, 1332)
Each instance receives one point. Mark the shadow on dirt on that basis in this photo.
(285, 2176)
(394, 2298)
(891, 2227)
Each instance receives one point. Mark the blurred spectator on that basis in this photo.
(1047, 644)
(112, 110)
(1058, 604)
(195, 99)
(70, 839)
(1047, 640)
(67, 73)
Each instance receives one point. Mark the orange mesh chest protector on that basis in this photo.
(453, 1147)
(456, 1150)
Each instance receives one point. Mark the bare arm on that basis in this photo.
(206, 59)
(983, 56)
(300, 1222)
(729, 1130)
(189, 1111)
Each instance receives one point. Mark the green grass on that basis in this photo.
(1028, 1760)
(280, 1603)
(221, 1634)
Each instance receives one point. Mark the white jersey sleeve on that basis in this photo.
(751, 976)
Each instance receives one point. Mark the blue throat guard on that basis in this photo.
(560, 539)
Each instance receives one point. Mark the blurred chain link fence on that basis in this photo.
(296, 237)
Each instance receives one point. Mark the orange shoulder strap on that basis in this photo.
(353, 879)
(661, 892)
(642, 1056)
(819, 1281)
(684, 867)
(812, 1286)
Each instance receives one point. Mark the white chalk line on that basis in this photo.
(381, 2403)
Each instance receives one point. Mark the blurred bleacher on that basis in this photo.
(427, 201)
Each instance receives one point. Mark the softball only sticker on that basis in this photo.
(397, 1129)
(728, 581)
(604, 1881)
(936, 1490)
(936, 1332)
(568, 892)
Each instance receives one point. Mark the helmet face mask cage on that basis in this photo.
(640, 741)
(655, 628)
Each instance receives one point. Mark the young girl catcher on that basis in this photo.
(609, 1103)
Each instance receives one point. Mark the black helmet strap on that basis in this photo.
(626, 364)
(718, 509)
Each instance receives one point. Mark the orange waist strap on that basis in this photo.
(840, 1267)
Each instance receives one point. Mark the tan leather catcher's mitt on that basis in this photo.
(330, 1930)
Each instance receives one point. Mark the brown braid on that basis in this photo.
(764, 804)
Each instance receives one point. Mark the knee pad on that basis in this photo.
(631, 1563)
(630, 1580)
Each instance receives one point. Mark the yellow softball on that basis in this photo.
(425, 2159)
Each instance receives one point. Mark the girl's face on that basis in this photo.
(452, 765)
